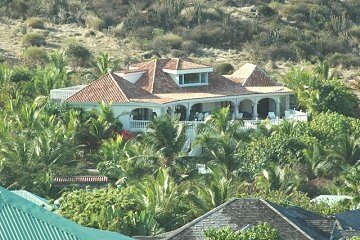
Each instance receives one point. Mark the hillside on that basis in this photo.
(275, 34)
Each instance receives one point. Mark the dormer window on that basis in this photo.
(193, 79)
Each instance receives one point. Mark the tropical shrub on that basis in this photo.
(104, 208)
(33, 39)
(79, 53)
(36, 22)
(35, 56)
(262, 230)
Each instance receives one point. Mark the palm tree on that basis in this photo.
(277, 178)
(213, 189)
(126, 161)
(220, 139)
(345, 150)
(105, 64)
(167, 136)
(162, 197)
(315, 164)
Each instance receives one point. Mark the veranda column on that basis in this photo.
(237, 109)
(255, 113)
(278, 107)
(188, 112)
(287, 103)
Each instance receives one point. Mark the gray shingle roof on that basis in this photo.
(291, 223)
(349, 220)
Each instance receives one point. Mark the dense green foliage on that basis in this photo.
(156, 185)
(259, 231)
(321, 91)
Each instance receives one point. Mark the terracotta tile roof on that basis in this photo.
(80, 179)
(251, 75)
(157, 86)
(155, 80)
(182, 64)
(112, 88)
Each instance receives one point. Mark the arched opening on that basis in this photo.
(246, 109)
(195, 111)
(180, 111)
(265, 106)
(145, 114)
(229, 104)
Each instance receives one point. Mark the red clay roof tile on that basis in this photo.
(157, 86)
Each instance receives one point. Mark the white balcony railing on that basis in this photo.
(61, 94)
(141, 125)
(138, 125)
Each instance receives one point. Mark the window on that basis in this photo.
(193, 79)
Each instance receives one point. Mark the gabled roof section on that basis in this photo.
(155, 80)
(349, 220)
(250, 75)
(22, 219)
(238, 213)
(111, 88)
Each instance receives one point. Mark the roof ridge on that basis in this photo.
(285, 218)
(153, 77)
(178, 63)
(117, 85)
(198, 219)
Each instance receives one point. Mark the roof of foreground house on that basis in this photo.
(291, 223)
(35, 199)
(21, 219)
(155, 84)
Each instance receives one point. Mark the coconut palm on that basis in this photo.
(315, 162)
(167, 136)
(276, 177)
(106, 64)
(213, 189)
(345, 150)
(220, 139)
(162, 197)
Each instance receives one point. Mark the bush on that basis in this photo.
(283, 52)
(35, 56)
(36, 22)
(265, 10)
(190, 47)
(33, 39)
(347, 60)
(355, 32)
(21, 74)
(92, 21)
(262, 231)
(224, 68)
(80, 54)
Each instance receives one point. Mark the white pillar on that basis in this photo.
(236, 110)
(255, 114)
(188, 108)
(287, 103)
(277, 102)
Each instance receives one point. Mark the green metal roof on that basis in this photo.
(21, 219)
(35, 199)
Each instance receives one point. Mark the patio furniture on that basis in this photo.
(271, 115)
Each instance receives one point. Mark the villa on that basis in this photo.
(190, 90)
